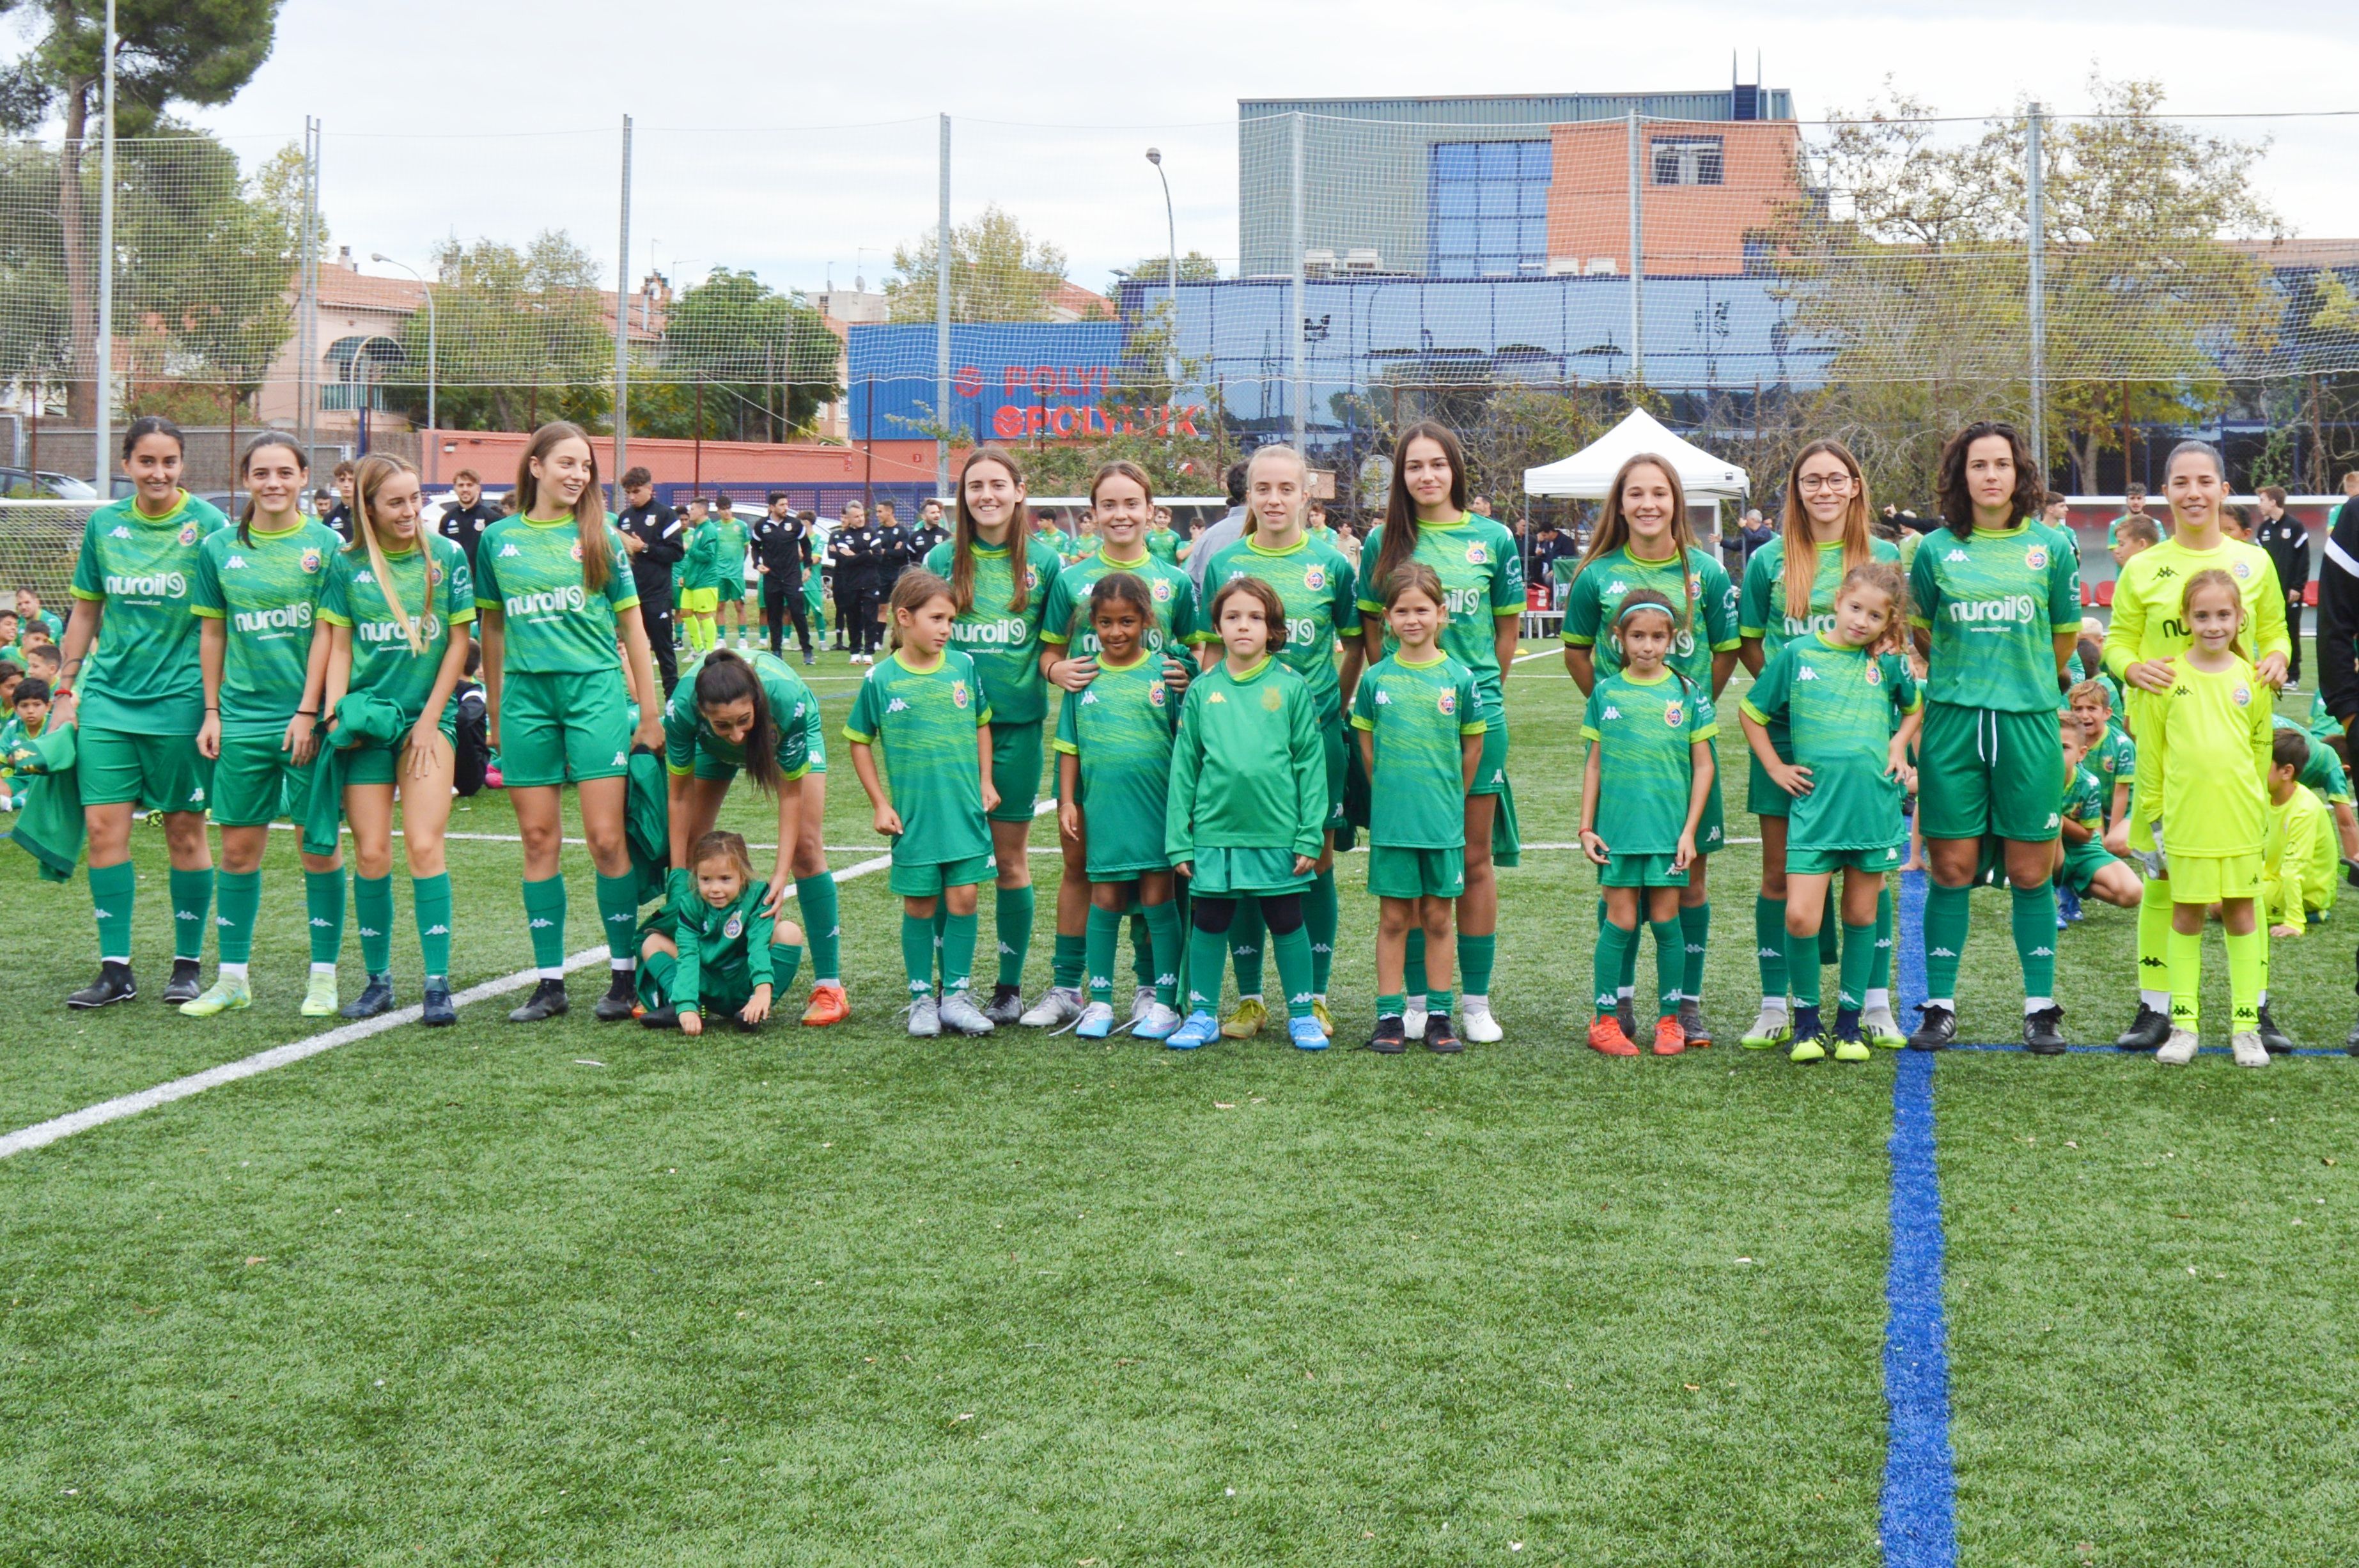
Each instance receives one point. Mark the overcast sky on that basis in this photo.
(790, 139)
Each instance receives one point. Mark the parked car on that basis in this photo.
(30, 484)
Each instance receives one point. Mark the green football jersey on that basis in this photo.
(1163, 544)
(18, 755)
(2112, 759)
(1481, 577)
(1761, 603)
(686, 734)
(1248, 769)
(1314, 582)
(1702, 595)
(2084, 798)
(1420, 715)
(1119, 726)
(268, 593)
(925, 720)
(1068, 547)
(1646, 767)
(436, 592)
(724, 953)
(2323, 772)
(1838, 705)
(531, 573)
(1994, 603)
(1005, 642)
(725, 551)
(1065, 617)
(142, 677)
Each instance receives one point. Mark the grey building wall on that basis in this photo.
(1365, 161)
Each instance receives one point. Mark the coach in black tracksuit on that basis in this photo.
(2338, 633)
(466, 521)
(782, 551)
(854, 547)
(2282, 534)
(653, 534)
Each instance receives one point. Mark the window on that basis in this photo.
(1488, 212)
(1687, 160)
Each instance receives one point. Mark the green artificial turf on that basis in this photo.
(583, 1293)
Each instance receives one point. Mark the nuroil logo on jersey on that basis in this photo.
(429, 628)
(293, 617)
(2007, 608)
(154, 585)
(994, 634)
(548, 602)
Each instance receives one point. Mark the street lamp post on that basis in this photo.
(433, 340)
(1170, 270)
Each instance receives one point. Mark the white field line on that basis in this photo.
(42, 1134)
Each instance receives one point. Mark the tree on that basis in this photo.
(764, 360)
(1194, 267)
(523, 337)
(1908, 257)
(998, 273)
(189, 51)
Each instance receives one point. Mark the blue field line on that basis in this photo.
(1917, 1520)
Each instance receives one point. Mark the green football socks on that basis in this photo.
(544, 915)
(324, 900)
(429, 905)
(112, 889)
(1670, 967)
(1208, 963)
(1695, 936)
(1067, 959)
(1769, 945)
(1802, 968)
(239, 900)
(823, 926)
(1880, 975)
(918, 953)
(661, 968)
(1142, 947)
(192, 908)
(1606, 968)
(1105, 934)
(785, 960)
(618, 913)
(1293, 953)
(1247, 936)
(1319, 917)
(958, 951)
(1476, 956)
(1393, 1006)
(1163, 932)
(1012, 917)
(1947, 912)
(1860, 946)
(2032, 919)
(373, 904)
(1413, 962)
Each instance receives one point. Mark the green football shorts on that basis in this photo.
(926, 878)
(1640, 871)
(165, 772)
(1015, 771)
(1415, 873)
(254, 778)
(564, 727)
(1980, 772)
(1804, 862)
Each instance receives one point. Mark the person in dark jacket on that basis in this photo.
(782, 553)
(2287, 541)
(856, 547)
(655, 536)
(466, 521)
(2338, 634)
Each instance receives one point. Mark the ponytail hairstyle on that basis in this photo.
(961, 583)
(253, 448)
(1284, 454)
(368, 480)
(1124, 588)
(725, 678)
(2030, 489)
(722, 845)
(2212, 577)
(589, 508)
(1424, 578)
(1613, 531)
(1801, 563)
(1273, 608)
(917, 587)
(1400, 507)
(1885, 577)
(148, 425)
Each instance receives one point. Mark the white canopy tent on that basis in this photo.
(1587, 473)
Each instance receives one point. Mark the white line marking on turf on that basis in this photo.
(42, 1134)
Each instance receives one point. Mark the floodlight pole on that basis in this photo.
(1637, 256)
(102, 419)
(941, 323)
(622, 328)
(433, 358)
(2036, 221)
(1301, 307)
(1171, 272)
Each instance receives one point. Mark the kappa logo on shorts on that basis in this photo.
(621, 761)
(2051, 819)
(1891, 853)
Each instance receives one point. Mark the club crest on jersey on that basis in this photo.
(1874, 676)
(958, 694)
(310, 561)
(188, 534)
(1160, 591)
(2242, 569)
(2243, 694)
(577, 550)
(1476, 555)
(1314, 578)
(2036, 557)
(734, 927)
(433, 573)
(1155, 695)
(1672, 714)
(1447, 702)
(1031, 577)
(1272, 698)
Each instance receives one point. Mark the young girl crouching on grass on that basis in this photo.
(1837, 691)
(1643, 796)
(721, 954)
(2209, 738)
(1420, 740)
(1113, 757)
(1247, 809)
(925, 705)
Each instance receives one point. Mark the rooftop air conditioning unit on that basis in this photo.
(1604, 266)
(1362, 258)
(1563, 265)
(1318, 260)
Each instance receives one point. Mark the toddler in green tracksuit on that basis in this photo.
(724, 953)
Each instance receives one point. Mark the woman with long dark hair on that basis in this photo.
(556, 595)
(1426, 519)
